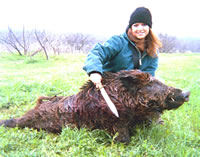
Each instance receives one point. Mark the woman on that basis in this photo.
(135, 49)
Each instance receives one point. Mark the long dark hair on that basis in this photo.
(152, 43)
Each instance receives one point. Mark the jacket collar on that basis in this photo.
(126, 37)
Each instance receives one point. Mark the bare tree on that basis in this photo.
(18, 41)
(169, 43)
(192, 45)
(42, 40)
(79, 42)
(10, 42)
(35, 41)
(55, 42)
(35, 52)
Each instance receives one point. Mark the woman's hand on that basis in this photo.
(96, 79)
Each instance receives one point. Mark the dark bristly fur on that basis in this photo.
(138, 97)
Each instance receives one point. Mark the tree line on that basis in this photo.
(35, 41)
(32, 42)
(171, 44)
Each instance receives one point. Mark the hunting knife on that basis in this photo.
(109, 102)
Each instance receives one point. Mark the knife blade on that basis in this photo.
(109, 102)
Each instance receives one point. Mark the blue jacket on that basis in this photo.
(116, 54)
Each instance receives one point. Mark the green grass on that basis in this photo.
(23, 79)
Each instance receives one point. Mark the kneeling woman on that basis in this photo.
(134, 49)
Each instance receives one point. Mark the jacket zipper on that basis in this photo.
(140, 56)
(140, 60)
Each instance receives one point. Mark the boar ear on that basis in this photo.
(135, 80)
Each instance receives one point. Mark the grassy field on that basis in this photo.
(23, 79)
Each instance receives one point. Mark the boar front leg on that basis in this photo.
(123, 133)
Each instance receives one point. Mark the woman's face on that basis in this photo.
(140, 30)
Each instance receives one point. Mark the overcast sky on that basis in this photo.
(100, 17)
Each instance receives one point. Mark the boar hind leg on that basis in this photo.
(46, 116)
(8, 123)
(32, 119)
(28, 120)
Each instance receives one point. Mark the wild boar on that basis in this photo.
(138, 97)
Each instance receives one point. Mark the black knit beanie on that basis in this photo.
(141, 15)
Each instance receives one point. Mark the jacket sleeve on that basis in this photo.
(100, 54)
(152, 67)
